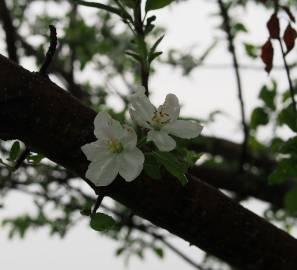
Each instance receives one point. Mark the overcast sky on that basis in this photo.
(203, 91)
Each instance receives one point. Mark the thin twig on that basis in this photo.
(138, 24)
(230, 37)
(97, 203)
(9, 30)
(287, 69)
(51, 51)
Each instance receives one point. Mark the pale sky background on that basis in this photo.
(203, 91)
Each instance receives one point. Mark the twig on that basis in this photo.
(9, 31)
(138, 24)
(97, 203)
(230, 37)
(51, 51)
(43, 72)
(287, 69)
(103, 7)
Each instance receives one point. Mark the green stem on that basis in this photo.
(101, 6)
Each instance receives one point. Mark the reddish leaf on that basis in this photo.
(289, 13)
(267, 55)
(290, 36)
(273, 26)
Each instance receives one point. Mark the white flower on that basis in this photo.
(114, 152)
(162, 121)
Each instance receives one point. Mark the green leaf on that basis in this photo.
(288, 117)
(251, 50)
(153, 56)
(290, 146)
(35, 158)
(285, 169)
(152, 167)
(129, 3)
(102, 222)
(268, 96)
(173, 166)
(239, 27)
(159, 252)
(86, 212)
(259, 117)
(14, 151)
(156, 4)
(290, 200)
(149, 24)
(134, 55)
(156, 44)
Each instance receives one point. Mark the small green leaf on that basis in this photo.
(156, 4)
(239, 27)
(259, 117)
(134, 55)
(102, 222)
(268, 96)
(156, 44)
(290, 146)
(120, 250)
(286, 168)
(159, 252)
(288, 117)
(35, 158)
(129, 3)
(173, 166)
(290, 200)
(85, 212)
(149, 24)
(153, 56)
(152, 167)
(251, 50)
(14, 151)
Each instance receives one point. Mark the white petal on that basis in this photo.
(138, 91)
(162, 140)
(101, 121)
(130, 164)
(106, 127)
(143, 107)
(171, 107)
(129, 140)
(183, 129)
(94, 149)
(138, 120)
(103, 171)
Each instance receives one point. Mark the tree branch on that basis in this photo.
(9, 31)
(56, 124)
(230, 39)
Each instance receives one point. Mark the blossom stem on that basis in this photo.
(97, 203)
(140, 34)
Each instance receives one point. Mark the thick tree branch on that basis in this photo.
(245, 184)
(52, 122)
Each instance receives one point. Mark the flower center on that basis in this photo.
(115, 146)
(159, 119)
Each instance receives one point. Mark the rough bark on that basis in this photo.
(52, 122)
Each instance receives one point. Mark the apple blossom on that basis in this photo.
(162, 121)
(114, 152)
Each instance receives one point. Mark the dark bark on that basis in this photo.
(53, 122)
(245, 184)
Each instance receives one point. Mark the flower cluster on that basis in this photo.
(116, 152)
